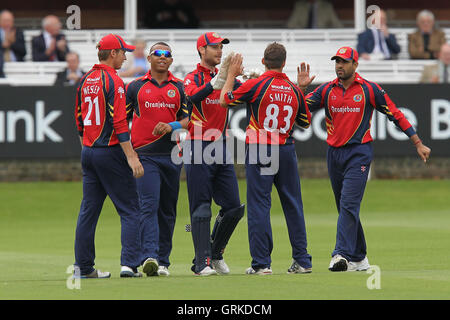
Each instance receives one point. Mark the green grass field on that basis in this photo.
(407, 227)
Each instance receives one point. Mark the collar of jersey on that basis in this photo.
(148, 76)
(206, 70)
(275, 74)
(104, 67)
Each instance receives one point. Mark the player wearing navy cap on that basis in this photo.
(274, 104)
(157, 104)
(209, 180)
(108, 160)
(349, 102)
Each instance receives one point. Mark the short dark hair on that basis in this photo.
(160, 43)
(104, 54)
(73, 52)
(199, 54)
(274, 55)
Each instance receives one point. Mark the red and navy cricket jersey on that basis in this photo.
(153, 103)
(208, 120)
(349, 112)
(274, 104)
(100, 111)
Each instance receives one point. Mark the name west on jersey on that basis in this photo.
(91, 89)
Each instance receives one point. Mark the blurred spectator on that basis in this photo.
(426, 42)
(313, 14)
(439, 72)
(51, 45)
(2, 73)
(11, 38)
(136, 64)
(72, 73)
(166, 14)
(377, 43)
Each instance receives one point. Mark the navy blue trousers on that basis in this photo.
(209, 180)
(259, 189)
(158, 195)
(348, 168)
(212, 181)
(106, 172)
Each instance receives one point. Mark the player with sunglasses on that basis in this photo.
(161, 53)
(157, 104)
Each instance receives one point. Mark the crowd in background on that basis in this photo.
(376, 43)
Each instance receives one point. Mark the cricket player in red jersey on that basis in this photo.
(349, 102)
(109, 163)
(209, 180)
(159, 106)
(274, 104)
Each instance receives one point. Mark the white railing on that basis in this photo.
(85, 40)
(313, 46)
(94, 35)
(393, 71)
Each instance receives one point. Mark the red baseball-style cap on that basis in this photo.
(210, 38)
(346, 53)
(114, 41)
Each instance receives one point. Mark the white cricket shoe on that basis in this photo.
(362, 265)
(207, 271)
(261, 272)
(127, 272)
(220, 266)
(296, 268)
(163, 271)
(150, 267)
(338, 263)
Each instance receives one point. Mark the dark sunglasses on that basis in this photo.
(159, 53)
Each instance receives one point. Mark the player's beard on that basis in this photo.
(344, 75)
(213, 61)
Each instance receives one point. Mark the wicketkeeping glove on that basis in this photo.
(219, 80)
(251, 74)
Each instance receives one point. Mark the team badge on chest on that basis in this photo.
(357, 98)
(171, 93)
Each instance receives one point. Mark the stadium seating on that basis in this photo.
(312, 46)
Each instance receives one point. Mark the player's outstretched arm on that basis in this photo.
(422, 150)
(235, 69)
(303, 77)
(219, 80)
